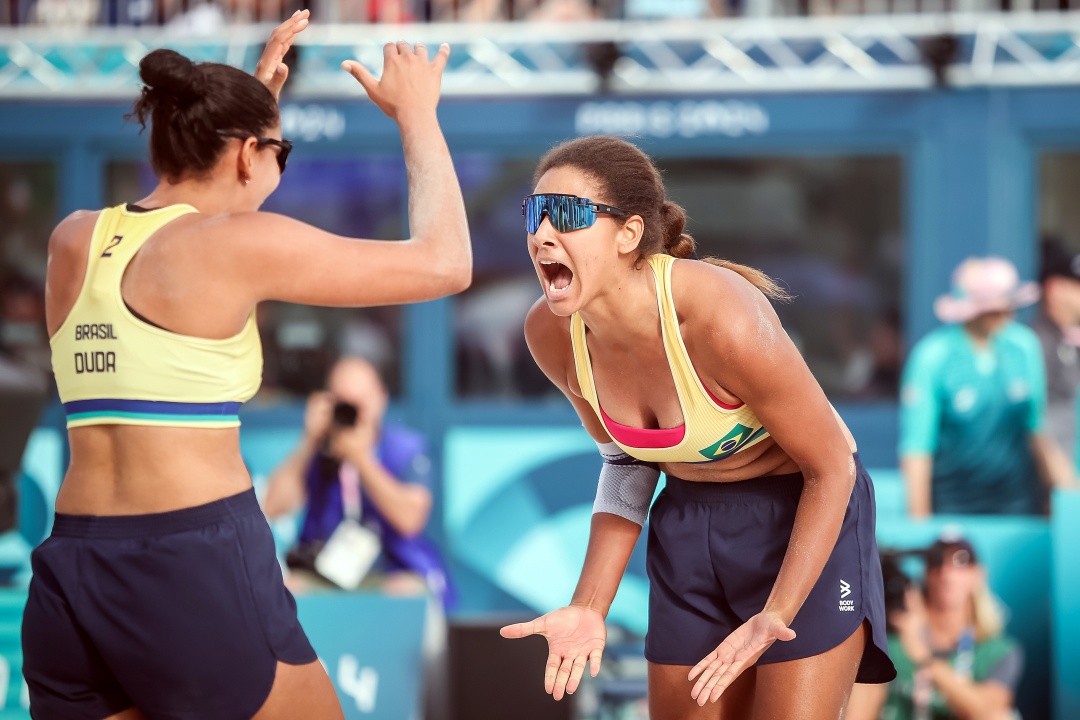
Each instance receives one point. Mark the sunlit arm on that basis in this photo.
(1053, 464)
(611, 542)
(917, 471)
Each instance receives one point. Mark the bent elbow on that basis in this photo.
(453, 276)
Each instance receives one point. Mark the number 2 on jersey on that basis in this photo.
(112, 243)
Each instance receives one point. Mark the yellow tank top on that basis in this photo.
(711, 429)
(113, 368)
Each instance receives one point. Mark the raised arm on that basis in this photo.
(920, 418)
(576, 633)
(277, 258)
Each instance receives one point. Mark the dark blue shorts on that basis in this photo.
(182, 614)
(715, 550)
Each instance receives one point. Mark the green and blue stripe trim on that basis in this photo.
(152, 410)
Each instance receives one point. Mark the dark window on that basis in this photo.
(28, 207)
(1059, 181)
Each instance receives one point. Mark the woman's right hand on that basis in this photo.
(409, 84)
(576, 637)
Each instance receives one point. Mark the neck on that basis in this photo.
(211, 197)
(946, 624)
(626, 312)
(978, 334)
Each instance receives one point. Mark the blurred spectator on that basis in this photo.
(669, 9)
(365, 486)
(973, 433)
(24, 339)
(352, 468)
(563, 11)
(69, 13)
(369, 11)
(947, 642)
(1058, 328)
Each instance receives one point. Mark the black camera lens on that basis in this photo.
(345, 414)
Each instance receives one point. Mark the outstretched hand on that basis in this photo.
(740, 650)
(576, 637)
(270, 70)
(410, 83)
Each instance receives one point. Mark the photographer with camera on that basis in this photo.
(952, 657)
(365, 487)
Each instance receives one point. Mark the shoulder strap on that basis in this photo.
(686, 383)
(119, 237)
(582, 364)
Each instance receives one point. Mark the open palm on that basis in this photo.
(576, 637)
(271, 71)
(740, 650)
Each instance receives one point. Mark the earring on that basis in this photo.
(247, 180)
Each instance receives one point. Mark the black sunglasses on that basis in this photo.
(284, 145)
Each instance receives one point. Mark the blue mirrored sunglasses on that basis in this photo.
(566, 212)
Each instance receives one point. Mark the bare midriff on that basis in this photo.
(136, 469)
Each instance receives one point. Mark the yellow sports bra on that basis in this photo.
(114, 368)
(711, 430)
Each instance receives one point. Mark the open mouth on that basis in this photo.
(558, 276)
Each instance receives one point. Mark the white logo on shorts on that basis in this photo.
(845, 605)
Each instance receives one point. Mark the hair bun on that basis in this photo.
(676, 242)
(169, 76)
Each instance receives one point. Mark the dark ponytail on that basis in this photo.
(676, 242)
(631, 181)
(187, 104)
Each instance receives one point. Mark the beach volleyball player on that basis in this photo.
(158, 594)
(766, 597)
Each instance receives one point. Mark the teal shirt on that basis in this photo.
(974, 411)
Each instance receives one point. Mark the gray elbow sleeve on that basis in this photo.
(626, 484)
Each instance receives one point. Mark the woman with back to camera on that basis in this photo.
(765, 531)
(158, 594)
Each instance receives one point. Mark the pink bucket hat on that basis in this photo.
(982, 285)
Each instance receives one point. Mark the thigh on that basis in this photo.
(813, 688)
(130, 714)
(669, 696)
(300, 691)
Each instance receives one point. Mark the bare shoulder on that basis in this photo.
(245, 230)
(548, 338)
(73, 233)
(719, 300)
(69, 248)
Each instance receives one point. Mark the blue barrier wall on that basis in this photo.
(1066, 594)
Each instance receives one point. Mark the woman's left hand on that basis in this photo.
(271, 71)
(740, 650)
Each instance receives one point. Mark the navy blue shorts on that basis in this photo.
(181, 614)
(715, 550)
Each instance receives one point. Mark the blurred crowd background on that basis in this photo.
(860, 199)
(208, 14)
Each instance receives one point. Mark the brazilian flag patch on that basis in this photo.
(739, 437)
